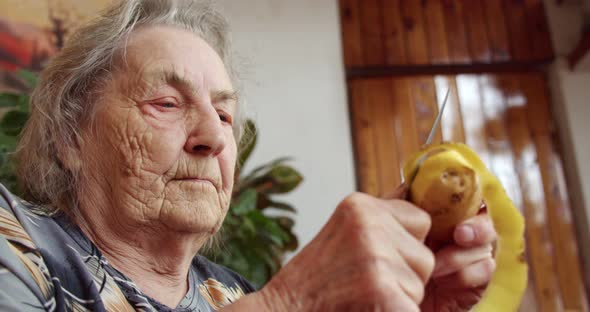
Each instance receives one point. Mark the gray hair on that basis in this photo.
(64, 98)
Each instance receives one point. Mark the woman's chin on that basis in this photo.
(201, 216)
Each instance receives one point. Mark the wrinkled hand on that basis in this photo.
(462, 269)
(370, 256)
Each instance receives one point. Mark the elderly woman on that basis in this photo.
(128, 159)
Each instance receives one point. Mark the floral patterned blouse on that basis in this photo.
(47, 263)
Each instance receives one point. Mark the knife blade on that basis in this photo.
(437, 120)
(430, 138)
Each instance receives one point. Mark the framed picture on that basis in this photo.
(32, 31)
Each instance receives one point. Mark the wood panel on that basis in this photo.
(497, 32)
(434, 19)
(477, 35)
(381, 33)
(519, 34)
(395, 46)
(568, 268)
(500, 153)
(452, 121)
(351, 33)
(540, 255)
(372, 32)
(388, 167)
(404, 119)
(474, 124)
(500, 159)
(363, 135)
(414, 33)
(539, 30)
(423, 98)
(456, 32)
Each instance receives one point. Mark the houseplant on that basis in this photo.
(254, 241)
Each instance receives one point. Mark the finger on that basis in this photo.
(399, 193)
(476, 231)
(453, 259)
(475, 275)
(397, 302)
(409, 279)
(395, 286)
(416, 255)
(415, 220)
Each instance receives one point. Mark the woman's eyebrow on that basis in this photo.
(224, 96)
(186, 86)
(180, 83)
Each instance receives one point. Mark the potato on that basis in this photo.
(450, 182)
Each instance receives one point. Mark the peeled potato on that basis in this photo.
(450, 182)
(447, 187)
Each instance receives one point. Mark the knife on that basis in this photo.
(430, 138)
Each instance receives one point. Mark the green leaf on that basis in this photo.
(231, 220)
(256, 171)
(29, 77)
(7, 142)
(258, 271)
(264, 201)
(292, 244)
(265, 253)
(282, 206)
(23, 103)
(269, 228)
(234, 257)
(285, 179)
(13, 122)
(285, 222)
(247, 143)
(247, 229)
(9, 99)
(245, 202)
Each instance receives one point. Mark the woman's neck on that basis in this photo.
(156, 259)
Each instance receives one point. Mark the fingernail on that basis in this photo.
(466, 233)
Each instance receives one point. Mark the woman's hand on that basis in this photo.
(370, 256)
(463, 269)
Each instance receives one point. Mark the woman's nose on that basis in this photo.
(206, 135)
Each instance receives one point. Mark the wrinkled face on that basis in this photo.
(162, 145)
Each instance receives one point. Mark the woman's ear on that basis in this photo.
(70, 158)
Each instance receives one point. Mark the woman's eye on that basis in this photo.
(225, 118)
(167, 105)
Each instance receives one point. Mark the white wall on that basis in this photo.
(571, 93)
(296, 89)
(575, 89)
(571, 106)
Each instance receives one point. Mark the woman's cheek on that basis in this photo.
(166, 145)
(228, 162)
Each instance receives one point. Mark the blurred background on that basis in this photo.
(349, 89)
